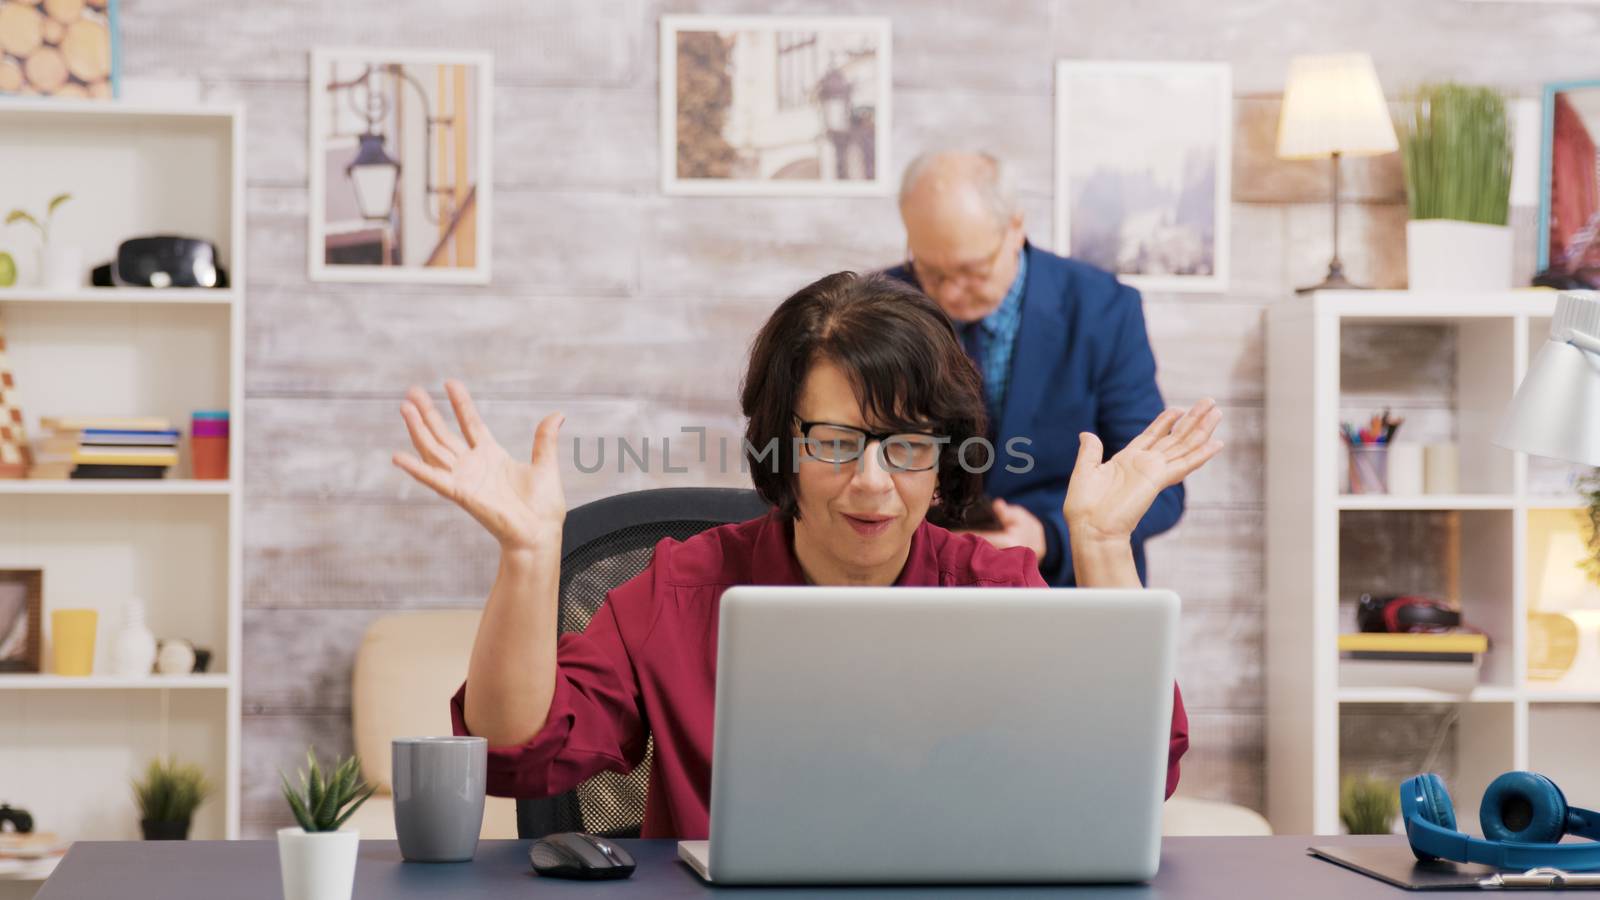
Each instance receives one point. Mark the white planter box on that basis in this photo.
(319, 866)
(1445, 255)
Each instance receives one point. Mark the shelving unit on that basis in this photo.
(1324, 546)
(71, 744)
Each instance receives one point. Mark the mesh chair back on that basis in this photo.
(604, 544)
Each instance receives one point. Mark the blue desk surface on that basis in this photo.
(1193, 868)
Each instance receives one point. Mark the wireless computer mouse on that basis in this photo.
(573, 854)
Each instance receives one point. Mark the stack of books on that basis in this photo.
(1442, 662)
(104, 447)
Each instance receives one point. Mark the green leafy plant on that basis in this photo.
(1589, 487)
(22, 215)
(1368, 805)
(1456, 150)
(170, 791)
(324, 803)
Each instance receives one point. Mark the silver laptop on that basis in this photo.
(939, 735)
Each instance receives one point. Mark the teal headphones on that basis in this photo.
(1523, 816)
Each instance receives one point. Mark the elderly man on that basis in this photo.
(1061, 346)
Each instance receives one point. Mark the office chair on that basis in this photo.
(603, 544)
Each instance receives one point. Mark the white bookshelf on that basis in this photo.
(1506, 722)
(71, 744)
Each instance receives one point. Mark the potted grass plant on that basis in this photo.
(1368, 805)
(315, 857)
(168, 795)
(1456, 148)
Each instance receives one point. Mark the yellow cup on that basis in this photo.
(72, 636)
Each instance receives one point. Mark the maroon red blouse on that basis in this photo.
(647, 663)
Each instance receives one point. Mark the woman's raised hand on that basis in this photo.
(1107, 499)
(520, 503)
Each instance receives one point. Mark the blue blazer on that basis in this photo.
(1082, 363)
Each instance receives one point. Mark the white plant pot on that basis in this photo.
(61, 267)
(317, 866)
(1445, 255)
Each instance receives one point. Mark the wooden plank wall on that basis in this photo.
(631, 311)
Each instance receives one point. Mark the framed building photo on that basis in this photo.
(1143, 160)
(400, 166)
(1569, 179)
(774, 105)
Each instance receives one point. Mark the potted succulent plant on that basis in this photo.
(168, 795)
(1368, 805)
(1456, 149)
(60, 266)
(316, 859)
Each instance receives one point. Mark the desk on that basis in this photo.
(1194, 868)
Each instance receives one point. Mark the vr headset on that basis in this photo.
(1523, 815)
(1405, 613)
(163, 261)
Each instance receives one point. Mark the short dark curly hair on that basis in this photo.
(901, 355)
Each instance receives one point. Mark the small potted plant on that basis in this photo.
(1456, 149)
(1368, 805)
(168, 795)
(60, 267)
(316, 859)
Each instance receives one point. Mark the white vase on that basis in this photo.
(133, 654)
(61, 267)
(317, 865)
(1446, 255)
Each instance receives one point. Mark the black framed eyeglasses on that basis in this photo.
(901, 451)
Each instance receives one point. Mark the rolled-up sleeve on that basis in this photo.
(596, 722)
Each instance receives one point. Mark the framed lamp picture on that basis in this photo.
(21, 619)
(1143, 161)
(775, 105)
(1569, 186)
(400, 167)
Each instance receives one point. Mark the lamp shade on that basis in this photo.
(1556, 411)
(1333, 104)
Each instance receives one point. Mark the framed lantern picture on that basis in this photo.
(1143, 161)
(774, 105)
(400, 168)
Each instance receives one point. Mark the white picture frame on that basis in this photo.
(778, 121)
(336, 102)
(1101, 150)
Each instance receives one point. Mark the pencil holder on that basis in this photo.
(1369, 469)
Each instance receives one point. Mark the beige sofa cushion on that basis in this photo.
(407, 668)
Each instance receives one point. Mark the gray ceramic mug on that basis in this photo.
(438, 796)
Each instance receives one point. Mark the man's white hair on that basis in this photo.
(993, 182)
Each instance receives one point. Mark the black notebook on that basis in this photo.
(1398, 866)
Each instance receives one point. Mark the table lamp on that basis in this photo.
(1556, 410)
(1333, 107)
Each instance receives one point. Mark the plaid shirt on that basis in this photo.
(997, 335)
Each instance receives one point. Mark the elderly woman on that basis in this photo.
(862, 388)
